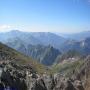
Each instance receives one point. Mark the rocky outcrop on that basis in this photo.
(24, 79)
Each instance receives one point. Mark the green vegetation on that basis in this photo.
(12, 55)
(67, 68)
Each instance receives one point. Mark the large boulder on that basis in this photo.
(39, 85)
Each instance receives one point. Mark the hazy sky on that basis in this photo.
(65, 16)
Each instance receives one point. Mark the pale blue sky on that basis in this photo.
(65, 16)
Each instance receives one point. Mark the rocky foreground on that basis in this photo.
(16, 77)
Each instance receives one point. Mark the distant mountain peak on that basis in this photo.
(15, 31)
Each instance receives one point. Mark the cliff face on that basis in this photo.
(8, 54)
(85, 73)
(43, 54)
(21, 73)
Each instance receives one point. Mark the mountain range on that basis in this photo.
(43, 54)
(81, 46)
(34, 38)
(39, 45)
(22, 72)
(45, 47)
(76, 36)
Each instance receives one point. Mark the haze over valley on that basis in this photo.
(46, 52)
(44, 45)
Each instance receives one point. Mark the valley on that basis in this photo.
(44, 44)
(39, 66)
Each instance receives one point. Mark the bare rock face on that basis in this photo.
(12, 80)
(39, 85)
(78, 85)
(13, 76)
(69, 86)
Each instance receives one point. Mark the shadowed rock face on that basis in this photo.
(11, 78)
(18, 79)
(16, 76)
(39, 85)
(23, 77)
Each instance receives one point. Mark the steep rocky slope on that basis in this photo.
(81, 46)
(43, 54)
(21, 73)
(8, 54)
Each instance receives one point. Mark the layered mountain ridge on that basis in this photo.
(45, 47)
(81, 46)
(8, 54)
(69, 70)
(38, 45)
